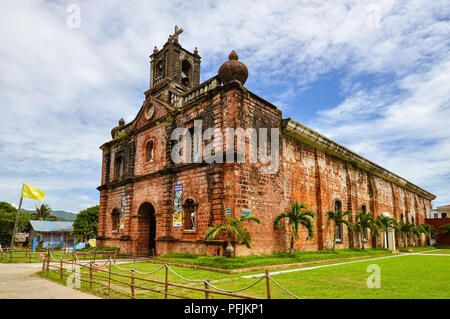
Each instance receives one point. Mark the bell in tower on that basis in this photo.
(175, 65)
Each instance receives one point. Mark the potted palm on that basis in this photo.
(298, 215)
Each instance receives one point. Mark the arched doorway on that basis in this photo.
(146, 229)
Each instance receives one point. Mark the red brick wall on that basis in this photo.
(441, 240)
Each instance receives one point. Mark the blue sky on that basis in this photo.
(372, 75)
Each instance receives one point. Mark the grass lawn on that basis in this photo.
(413, 276)
(274, 259)
(441, 251)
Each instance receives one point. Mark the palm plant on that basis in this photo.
(43, 212)
(338, 217)
(406, 229)
(233, 226)
(386, 222)
(364, 222)
(416, 232)
(298, 215)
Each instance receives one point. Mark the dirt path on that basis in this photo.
(21, 281)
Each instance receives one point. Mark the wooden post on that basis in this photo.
(90, 275)
(61, 268)
(268, 284)
(43, 263)
(115, 256)
(48, 260)
(133, 292)
(109, 278)
(207, 289)
(166, 285)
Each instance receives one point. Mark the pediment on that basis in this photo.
(152, 110)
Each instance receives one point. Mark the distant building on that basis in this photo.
(51, 233)
(437, 218)
(440, 212)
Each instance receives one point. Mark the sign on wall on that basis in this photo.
(228, 212)
(178, 205)
(122, 212)
(246, 212)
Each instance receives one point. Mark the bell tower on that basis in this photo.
(175, 63)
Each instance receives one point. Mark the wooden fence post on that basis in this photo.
(115, 256)
(109, 278)
(207, 289)
(133, 292)
(43, 263)
(90, 275)
(268, 284)
(166, 285)
(61, 269)
(48, 260)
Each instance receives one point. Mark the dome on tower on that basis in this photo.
(233, 70)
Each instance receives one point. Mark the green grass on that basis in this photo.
(413, 276)
(273, 259)
(441, 251)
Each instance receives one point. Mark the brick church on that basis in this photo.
(150, 203)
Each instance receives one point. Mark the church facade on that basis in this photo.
(151, 202)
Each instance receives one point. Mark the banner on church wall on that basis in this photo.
(178, 205)
(122, 212)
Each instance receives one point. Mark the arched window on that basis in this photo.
(115, 220)
(149, 151)
(338, 227)
(185, 72)
(189, 214)
(364, 209)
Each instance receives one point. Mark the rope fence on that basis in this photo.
(127, 284)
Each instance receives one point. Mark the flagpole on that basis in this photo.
(13, 239)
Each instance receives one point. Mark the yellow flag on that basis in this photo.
(32, 192)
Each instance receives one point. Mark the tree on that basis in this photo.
(233, 226)
(386, 222)
(406, 229)
(86, 223)
(297, 215)
(364, 222)
(43, 212)
(8, 215)
(338, 217)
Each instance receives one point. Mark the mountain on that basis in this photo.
(61, 215)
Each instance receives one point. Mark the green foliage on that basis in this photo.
(8, 215)
(86, 223)
(364, 222)
(298, 215)
(43, 212)
(338, 217)
(233, 226)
